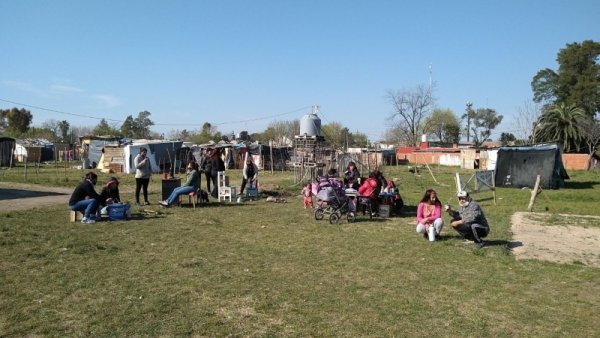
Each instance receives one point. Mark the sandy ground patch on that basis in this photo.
(18, 196)
(555, 243)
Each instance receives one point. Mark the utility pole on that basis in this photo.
(468, 116)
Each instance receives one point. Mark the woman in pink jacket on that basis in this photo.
(429, 214)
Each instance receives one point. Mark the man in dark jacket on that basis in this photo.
(205, 165)
(86, 199)
(469, 220)
(216, 165)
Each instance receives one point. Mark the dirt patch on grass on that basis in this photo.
(18, 196)
(556, 238)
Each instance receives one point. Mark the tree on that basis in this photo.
(335, 135)
(128, 127)
(142, 125)
(589, 130)
(358, 140)
(63, 128)
(411, 108)
(208, 132)
(103, 128)
(469, 115)
(577, 82)
(560, 123)
(52, 125)
(3, 119)
(185, 135)
(33, 132)
(16, 121)
(507, 139)
(484, 120)
(282, 132)
(77, 132)
(443, 125)
(525, 122)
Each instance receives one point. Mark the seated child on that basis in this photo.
(109, 194)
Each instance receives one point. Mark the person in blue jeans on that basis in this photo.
(191, 184)
(85, 198)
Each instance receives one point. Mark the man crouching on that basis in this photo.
(469, 220)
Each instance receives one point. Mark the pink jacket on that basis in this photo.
(437, 213)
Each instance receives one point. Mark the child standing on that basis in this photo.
(307, 194)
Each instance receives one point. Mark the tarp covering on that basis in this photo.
(160, 153)
(94, 150)
(7, 146)
(519, 166)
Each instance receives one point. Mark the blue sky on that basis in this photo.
(242, 64)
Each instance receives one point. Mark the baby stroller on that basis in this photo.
(332, 200)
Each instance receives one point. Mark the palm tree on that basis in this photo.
(558, 124)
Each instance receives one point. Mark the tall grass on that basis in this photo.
(270, 269)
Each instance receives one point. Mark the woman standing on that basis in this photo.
(429, 214)
(143, 171)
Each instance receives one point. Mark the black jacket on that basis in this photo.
(83, 190)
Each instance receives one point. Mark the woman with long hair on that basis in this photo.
(429, 214)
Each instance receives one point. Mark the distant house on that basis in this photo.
(91, 148)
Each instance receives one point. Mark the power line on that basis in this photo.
(58, 111)
(156, 124)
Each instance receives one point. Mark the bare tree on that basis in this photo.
(411, 108)
(589, 130)
(398, 133)
(52, 125)
(283, 132)
(526, 120)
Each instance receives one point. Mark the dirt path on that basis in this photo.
(21, 196)
(18, 196)
(555, 243)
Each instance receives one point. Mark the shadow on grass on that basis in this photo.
(140, 216)
(580, 185)
(513, 244)
(9, 194)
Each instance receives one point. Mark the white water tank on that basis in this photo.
(310, 124)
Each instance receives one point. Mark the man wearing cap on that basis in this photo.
(469, 220)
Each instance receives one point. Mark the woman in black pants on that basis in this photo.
(143, 171)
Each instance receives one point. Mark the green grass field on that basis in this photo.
(270, 269)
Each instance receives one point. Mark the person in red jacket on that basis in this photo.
(370, 189)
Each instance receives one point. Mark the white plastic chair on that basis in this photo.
(225, 191)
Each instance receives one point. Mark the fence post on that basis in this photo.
(534, 193)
